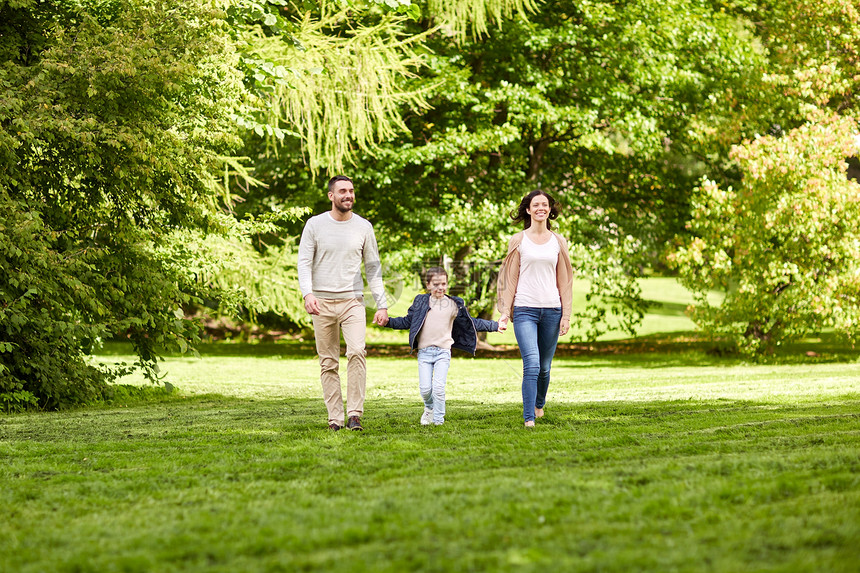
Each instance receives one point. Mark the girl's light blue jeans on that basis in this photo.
(537, 332)
(433, 364)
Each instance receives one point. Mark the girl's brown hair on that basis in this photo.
(432, 272)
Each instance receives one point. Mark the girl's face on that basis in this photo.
(437, 286)
(539, 208)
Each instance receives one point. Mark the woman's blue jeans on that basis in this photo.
(537, 331)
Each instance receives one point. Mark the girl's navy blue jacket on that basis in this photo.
(465, 329)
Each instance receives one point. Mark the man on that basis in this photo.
(332, 248)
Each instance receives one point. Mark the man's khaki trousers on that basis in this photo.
(336, 315)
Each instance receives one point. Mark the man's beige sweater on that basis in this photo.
(330, 257)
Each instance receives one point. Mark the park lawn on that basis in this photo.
(667, 301)
(658, 462)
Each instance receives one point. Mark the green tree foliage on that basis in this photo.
(114, 121)
(607, 106)
(244, 276)
(462, 18)
(814, 50)
(336, 76)
(784, 246)
(333, 83)
(327, 75)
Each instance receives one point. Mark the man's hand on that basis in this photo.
(564, 326)
(312, 305)
(503, 323)
(381, 317)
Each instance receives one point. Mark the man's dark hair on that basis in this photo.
(335, 179)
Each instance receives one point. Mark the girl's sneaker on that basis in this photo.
(427, 418)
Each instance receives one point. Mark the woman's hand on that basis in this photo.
(564, 326)
(503, 323)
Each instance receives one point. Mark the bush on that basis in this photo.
(785, 246)
(42, 335)
(115, 118)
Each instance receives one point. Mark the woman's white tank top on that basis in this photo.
(537, 286)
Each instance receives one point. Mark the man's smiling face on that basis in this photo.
(342, 196)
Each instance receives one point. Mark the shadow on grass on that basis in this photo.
(690, 349)
(653, 351)
(263, 349)
(666, 308)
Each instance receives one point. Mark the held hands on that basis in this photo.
(312, 305)
(381, 317)
(503, 323)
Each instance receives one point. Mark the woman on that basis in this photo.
(535, 289)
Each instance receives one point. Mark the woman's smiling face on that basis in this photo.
(539, 208)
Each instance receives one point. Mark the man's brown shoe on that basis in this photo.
(334, 426)
(354, 423)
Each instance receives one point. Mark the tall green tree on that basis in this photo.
(335, 76)
(814, 51)
(781, 239)
(115, 119)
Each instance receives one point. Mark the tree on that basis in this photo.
(814, 50)
(115, 120)
(335, 76)
(785, 246)
(610, 107)
(118, 126)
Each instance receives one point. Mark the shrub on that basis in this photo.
(115, 118)
(785, 246)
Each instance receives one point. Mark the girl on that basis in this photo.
(535, 289)
(436, 323)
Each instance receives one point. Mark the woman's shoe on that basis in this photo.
(538, 412)
(530, 424)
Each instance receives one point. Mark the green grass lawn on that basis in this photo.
(669, 461)
(667, 298)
